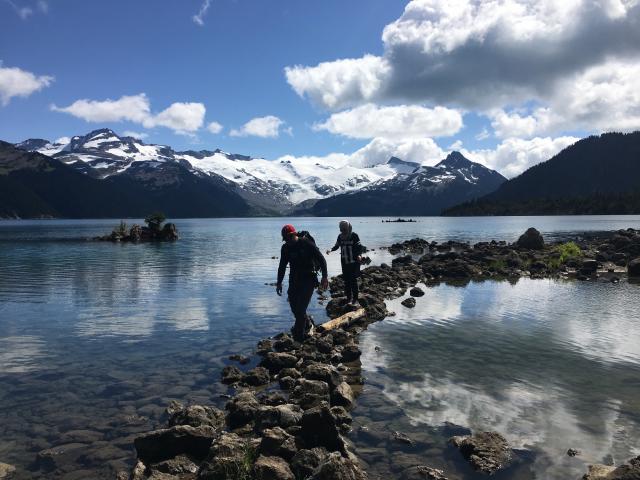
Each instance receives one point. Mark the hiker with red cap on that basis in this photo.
(304, 259)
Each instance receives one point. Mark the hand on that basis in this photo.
(359, 258)
(328, 252)
(324, 283)
(279, 289)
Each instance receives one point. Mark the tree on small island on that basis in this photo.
(155, 221)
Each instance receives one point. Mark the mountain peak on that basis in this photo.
(455, 160)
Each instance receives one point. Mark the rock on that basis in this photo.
(290, 372)
(336, 467)
(323, 372)
(272, 399)
(272, 468)
(304, 462)
(319, 428)
(257, 376)
(287, 383)
(54, 457)
(167, 443)
(350, 353)
(628, 471)
(285, 344)
(416, 292)
(422, 472)
(409, 302)
(6, 471)
(572, 452)
(275, 441)
(283, 416)
(485, 451)
(404, 260)
(633, 268)
(242, 409)
(264, 346)
(241, 359)
(342, 396)
(196, 416)
(227, 459)
(276, 361)
(589, 266)
(182, 464)
(231, 374)
(531, 240)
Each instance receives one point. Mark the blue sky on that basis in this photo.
(509, 83)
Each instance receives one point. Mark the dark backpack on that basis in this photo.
(306, 235)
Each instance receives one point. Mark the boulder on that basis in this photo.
(589, 266)
(409, 302)
(319, 428)
(342, 396)
(487, 452)
(350, 352)
(304, 462)
(634, 267)
(276, 441)
(231, 374)
(196, 416)
(227, 459)
(276, 361)
(336, 467)
(531, 240)
(283, 416)
(180, 465)
(167, 443)
(242, 409)
(272, 468)
(416, 292)
(257, 376)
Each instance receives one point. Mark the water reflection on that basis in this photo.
(551, 365)
(21, 354)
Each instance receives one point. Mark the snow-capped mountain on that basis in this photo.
(270, 183)
(424, 190)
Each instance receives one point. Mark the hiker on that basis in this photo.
(350, 257)
(304, 259)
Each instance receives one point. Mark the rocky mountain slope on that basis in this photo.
(421, 191)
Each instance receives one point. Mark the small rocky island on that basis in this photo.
(288, 417)
(155, 231)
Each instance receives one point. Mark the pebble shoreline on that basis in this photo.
(288, 416)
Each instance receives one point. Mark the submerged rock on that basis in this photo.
(6, 471)
(485, 451)
(422, 472)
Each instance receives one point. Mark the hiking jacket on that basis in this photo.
(303, 257)
(350, 248)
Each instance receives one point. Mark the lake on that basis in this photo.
(96, 339)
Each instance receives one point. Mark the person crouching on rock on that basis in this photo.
(304, 259)
(350, 257)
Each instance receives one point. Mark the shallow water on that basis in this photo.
(96, 339)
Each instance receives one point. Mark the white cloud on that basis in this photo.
(479, 54)
(214, 127)
(514, 155)
(43, 6)
(264, 127)
(483, 135)
(15, 82)
(183, 118)
(62, 140)
(198, 18)
(396, 122)
(339, 83)
(133, 108)
(138, 135)
(180, 117)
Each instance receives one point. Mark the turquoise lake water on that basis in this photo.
(96, 338)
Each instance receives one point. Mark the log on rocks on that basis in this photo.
(342, 320)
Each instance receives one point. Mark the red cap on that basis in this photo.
(287, 230)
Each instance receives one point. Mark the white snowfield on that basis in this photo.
(298, 179)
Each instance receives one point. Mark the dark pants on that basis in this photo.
(300, 293)
(350, 274)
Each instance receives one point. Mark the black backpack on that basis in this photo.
(306, 235)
